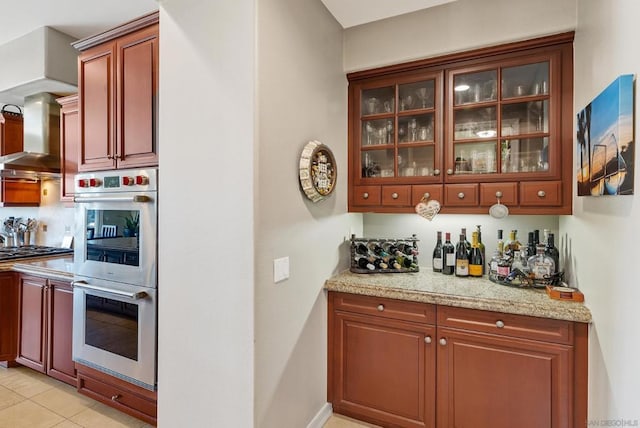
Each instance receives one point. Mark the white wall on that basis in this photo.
(302, 96)
(602, 234)
(206, 288)
(457, 26)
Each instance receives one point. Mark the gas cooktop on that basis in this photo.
(12, 253)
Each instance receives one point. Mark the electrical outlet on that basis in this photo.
(280, 269)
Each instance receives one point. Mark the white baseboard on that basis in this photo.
(321, 417)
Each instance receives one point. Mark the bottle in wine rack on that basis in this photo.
(448, 255)
(462, 257)
(365, 263)
(437, 260)
(476, 261)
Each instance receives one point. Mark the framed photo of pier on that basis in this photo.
(605, 141)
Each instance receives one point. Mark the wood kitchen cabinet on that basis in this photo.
(69, 145)
(382, 360)
(493, 123)
(118, 96)
(8, 317)
(44, 327)
(397, 363)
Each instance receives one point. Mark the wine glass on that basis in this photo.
(424, 95)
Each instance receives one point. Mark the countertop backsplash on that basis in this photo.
(404, 225)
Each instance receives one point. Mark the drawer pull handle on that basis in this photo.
(461, 195)
(498, 194)
(427, 195)
(427, 339)
(500, 324)
(365, 195)
(450, 171)
(436, 172)
(394, 195)
(380, 307)
(115, 397)
(541, 193)
(443, 341)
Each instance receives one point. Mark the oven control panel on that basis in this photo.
(131, 180)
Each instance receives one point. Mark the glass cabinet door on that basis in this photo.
(398, 129)
(499, 120)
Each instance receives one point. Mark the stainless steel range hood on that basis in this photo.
(40, 158)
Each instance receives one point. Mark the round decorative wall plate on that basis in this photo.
(318, 171)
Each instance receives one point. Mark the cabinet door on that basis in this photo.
(137, 99)
(59, 332)
(489, 381)
(32, 324)
(69, 145)
(96, 79)
(8, 316)
(384, 370)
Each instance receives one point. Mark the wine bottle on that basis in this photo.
(449, 255)
(365, 263)
(393, 263)
(541, 265)
(462, 257)
(476, 261)
(531, 246)
(482, 249)
(536, 237)
(500, 244)
(362, 249)
(466, 243)
(380, 264)
(551, 251)
(378, 251)
(437, 255)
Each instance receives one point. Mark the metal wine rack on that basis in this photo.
(399, 242)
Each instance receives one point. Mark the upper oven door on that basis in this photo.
(108, 245)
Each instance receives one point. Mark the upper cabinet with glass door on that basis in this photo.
(501, 122)
(498, 121)
(397, 136)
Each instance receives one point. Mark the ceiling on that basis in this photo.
(77, 18)
(350, 13)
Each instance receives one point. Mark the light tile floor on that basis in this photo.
(339, 421)
(29, 399)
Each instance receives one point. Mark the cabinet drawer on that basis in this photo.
(396, 195)
(541, 193)
(460, 195)
(387, 308)
(526, 327)
(508, 193)
(366, 195)
(117, 397)
(418, 192)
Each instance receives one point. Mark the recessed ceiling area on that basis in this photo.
(350, 13)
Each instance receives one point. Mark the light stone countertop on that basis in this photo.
(52, 267)
(473, 293)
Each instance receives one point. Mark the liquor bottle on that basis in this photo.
(520, 261)
(541, 265)
(482, 249)
(500, 244)
(365, 263)
(493, 265)
(536, 237)
(545, 234)
(476, 261)
(462, 258)
(551, 251)
(449, 255)
(531, 246)
(437, 255)
(467, 244)
(512, 244)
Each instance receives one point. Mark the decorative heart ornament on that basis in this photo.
(428, 209)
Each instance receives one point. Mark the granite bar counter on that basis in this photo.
(473, 293)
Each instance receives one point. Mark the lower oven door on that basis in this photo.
(114, 329)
